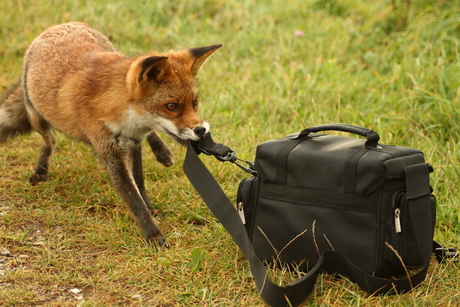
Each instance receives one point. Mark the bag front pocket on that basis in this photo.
(296, 225)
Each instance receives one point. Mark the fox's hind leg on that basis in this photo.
(48, 145)
(160, 149)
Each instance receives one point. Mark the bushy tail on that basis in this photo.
(13, 114)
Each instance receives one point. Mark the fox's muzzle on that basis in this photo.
(199, 131)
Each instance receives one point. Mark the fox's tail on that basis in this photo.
(13, 114)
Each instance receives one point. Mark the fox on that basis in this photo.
(75, 81)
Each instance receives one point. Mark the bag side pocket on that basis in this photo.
(245, 201)
(401, 235)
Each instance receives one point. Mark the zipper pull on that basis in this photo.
(398, 220)
(241, 212)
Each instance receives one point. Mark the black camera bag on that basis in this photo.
(315, 192)
(327, 203)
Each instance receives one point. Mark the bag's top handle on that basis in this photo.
(371, 136)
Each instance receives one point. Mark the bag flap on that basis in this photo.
(332, 163)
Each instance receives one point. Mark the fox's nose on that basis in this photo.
(199, 131)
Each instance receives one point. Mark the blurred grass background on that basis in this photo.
(392, 66)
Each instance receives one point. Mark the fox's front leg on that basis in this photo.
(138, 174)
(117, 156)
(160, 149)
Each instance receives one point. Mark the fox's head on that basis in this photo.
(164, 93)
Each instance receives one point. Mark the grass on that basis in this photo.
(392, 66)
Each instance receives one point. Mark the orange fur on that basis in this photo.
(75, 81)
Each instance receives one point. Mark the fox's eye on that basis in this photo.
(171, 106)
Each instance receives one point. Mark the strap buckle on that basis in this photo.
(443, 254)
(221, 152)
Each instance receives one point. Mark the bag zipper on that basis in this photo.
(240, 208)
(397, 211)
(398, 220)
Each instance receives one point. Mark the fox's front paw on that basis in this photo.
(36, 178)
(164, 156)
(160, 149)
(158, 242)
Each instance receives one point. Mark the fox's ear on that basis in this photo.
(154, 68)
(200, 55)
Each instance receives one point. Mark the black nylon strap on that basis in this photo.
(417, 180)
(295, 292)
(336, 262)
(418, 199)
(223, 209)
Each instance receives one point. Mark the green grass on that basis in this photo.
(392, 68)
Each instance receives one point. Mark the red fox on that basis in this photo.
(75, 81)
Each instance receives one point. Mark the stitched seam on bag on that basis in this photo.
(283, 157)
(318, 198)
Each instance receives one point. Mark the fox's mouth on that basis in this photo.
(183, 136)
(182, 142)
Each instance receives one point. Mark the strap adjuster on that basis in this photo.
(443, 254)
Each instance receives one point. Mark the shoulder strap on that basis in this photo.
(223, 209)
(296, 292)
